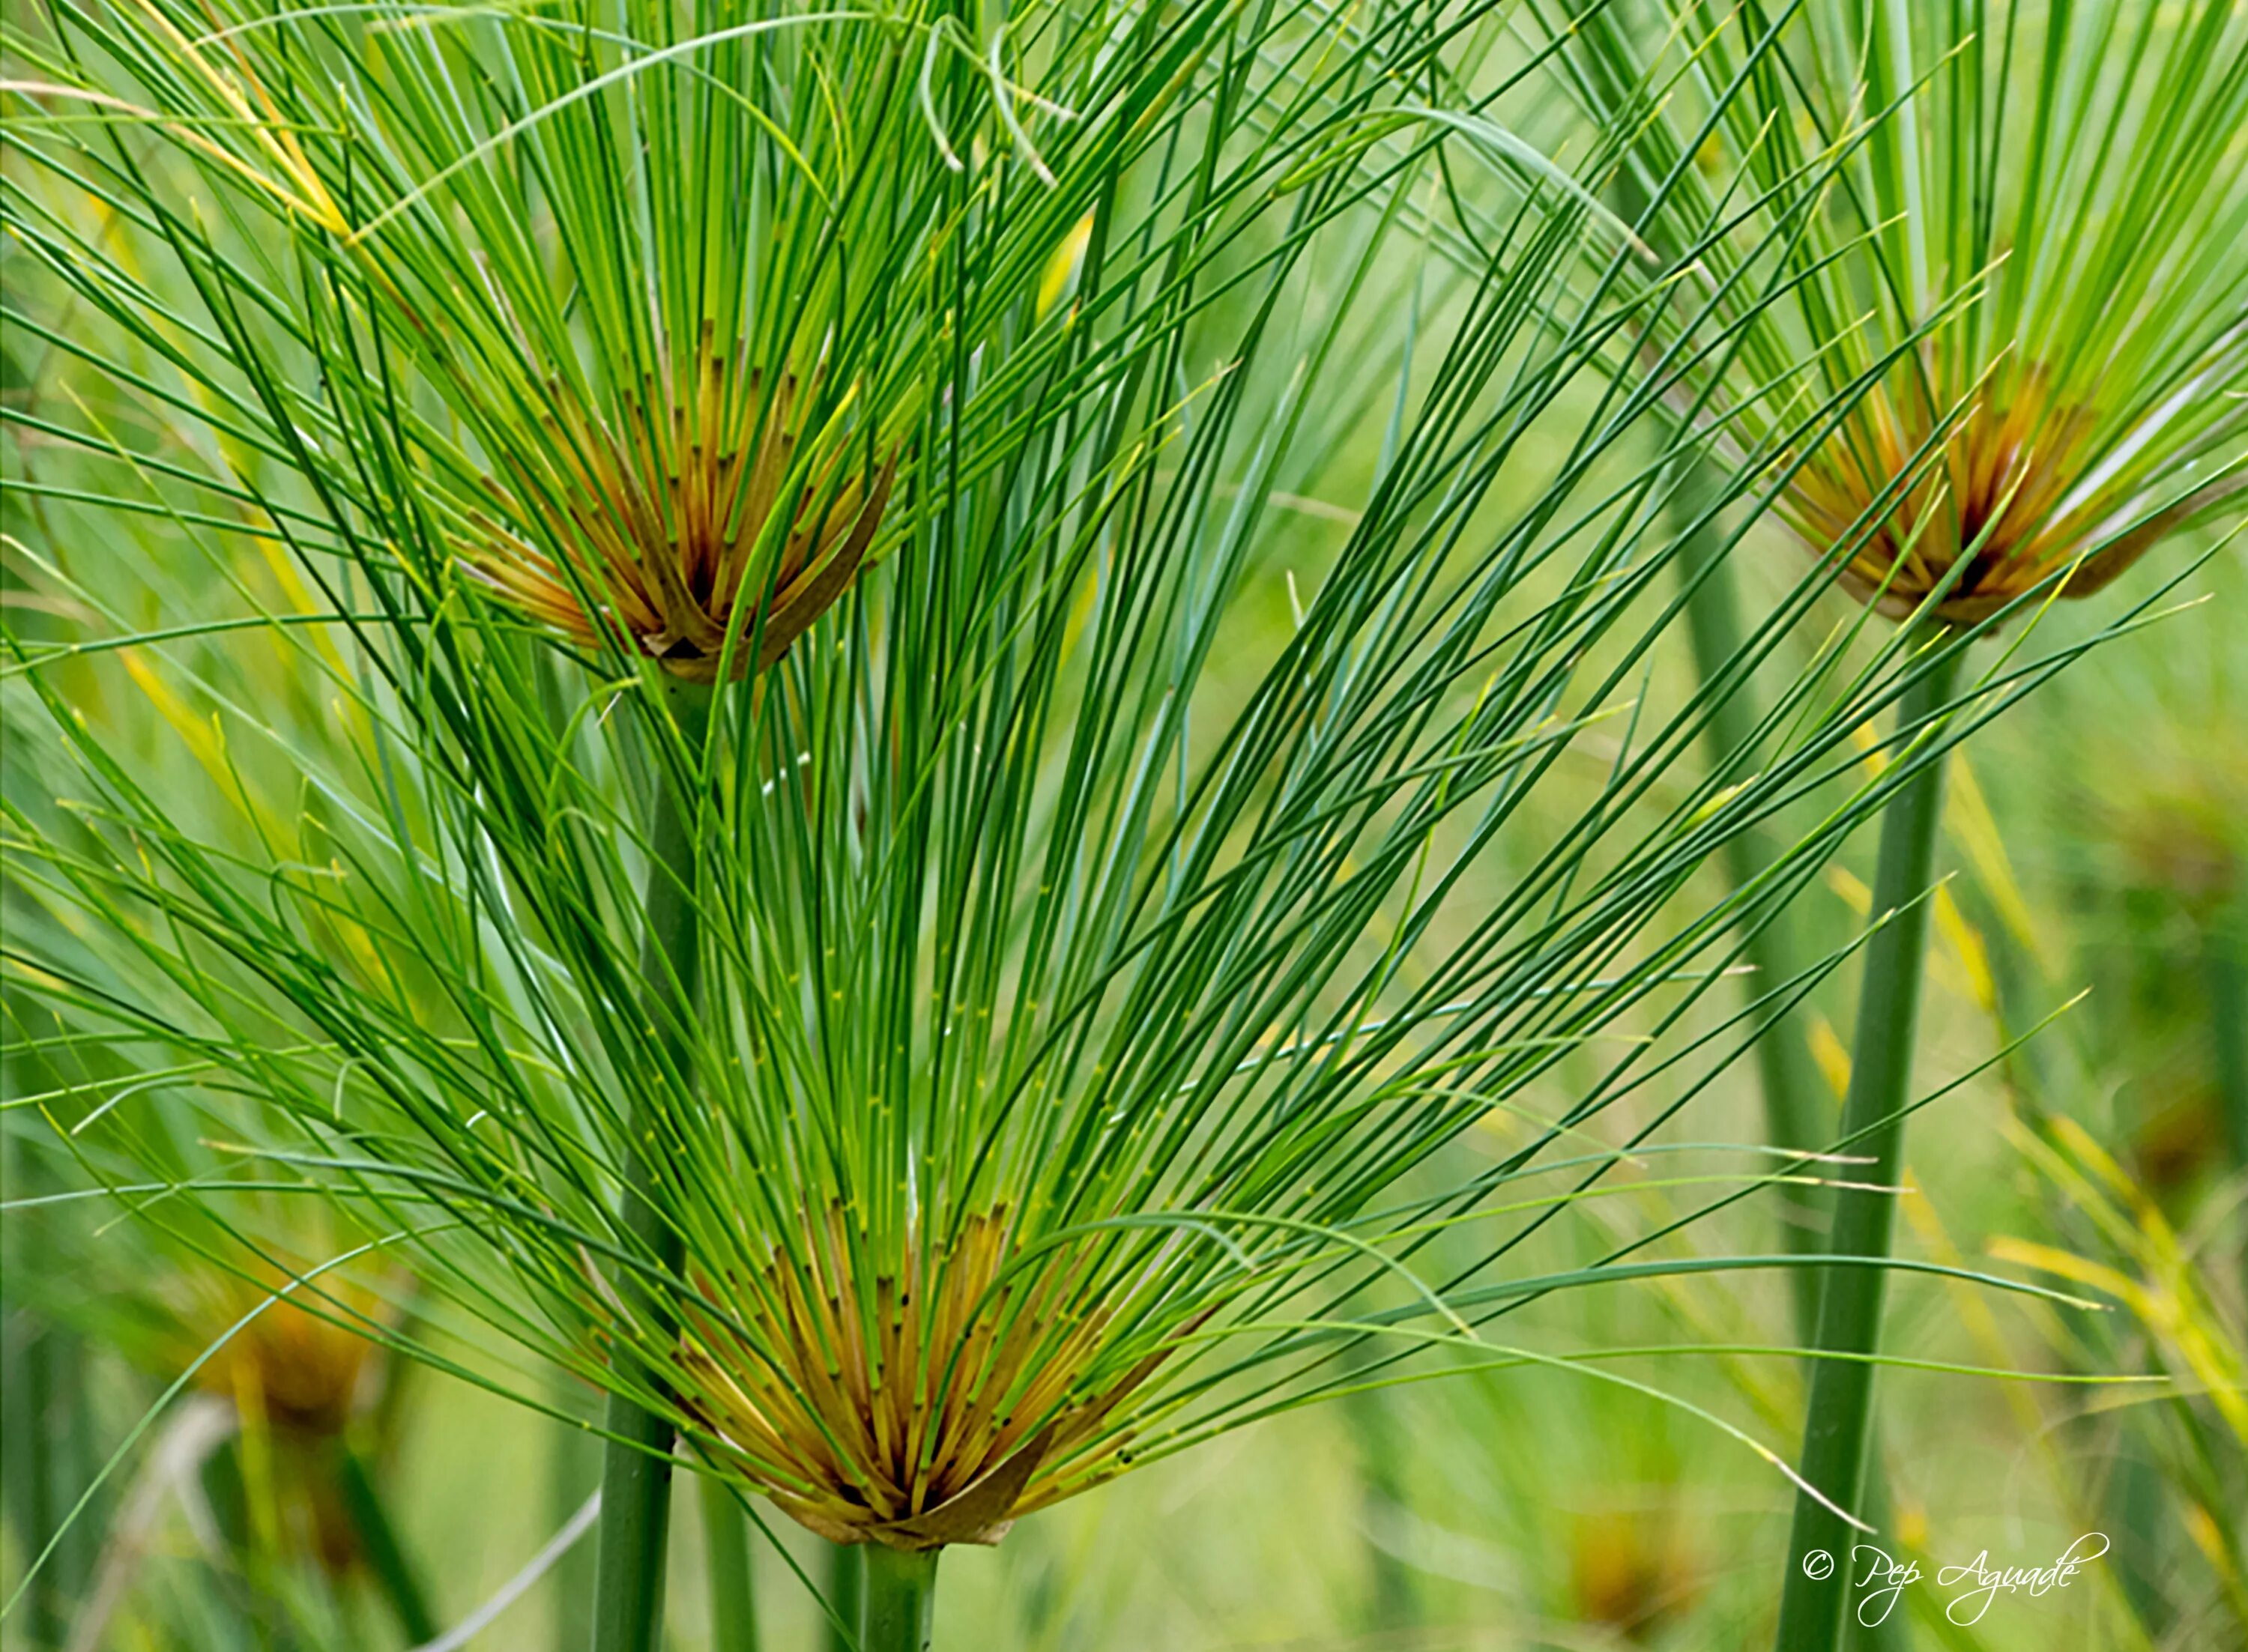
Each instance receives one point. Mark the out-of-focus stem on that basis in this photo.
(628, 1562)
(45, 1408)
(2225, 968)
(726, 1553)
(386, 1554)
(1392, 1597)
(1835, 1430)
(898, 1612)
(574, 1469)
(32, 1471)
(1792, 1084)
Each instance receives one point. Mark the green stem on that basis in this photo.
(1792, 1086)
(899, 1611)
(846, 1587)
(1392, 1591)
(574, 1469)
(628, 1560)
(386, 1555)
(1835, 1432)
(2225, 970)
(1888, 1635)
(726, 1557)
(31, 1458)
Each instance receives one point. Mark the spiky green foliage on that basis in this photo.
(1061, 951)
(2077, 167)
(2080, 171)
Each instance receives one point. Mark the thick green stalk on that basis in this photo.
(846, 1587)
(628, 1561)
(1794, 1087)
(386, 1555)
(726, 1556)
(1890, 1633)
(1835, 1431)
(898, 1612)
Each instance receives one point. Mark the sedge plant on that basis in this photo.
(2084, 168)
(2168, 1467)
(287, 1413)
(690, 472)
(874, 885)
(2141, 829)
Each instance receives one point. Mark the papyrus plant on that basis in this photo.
(2080, 167)
(2085, 170)
(624, 328)
(918, 977)
(274, 1445)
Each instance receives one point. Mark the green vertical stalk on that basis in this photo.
(628, 1560)
(30, 1456)
(1836, 1428)
(574, 1469)
(846, 1587)
(1792, 1086)
(898, 1612)
(2224, 972)
(51, 1460)
(726, 1556)
(379, 1541)
(1392, 1591)
(1889, 1635)
(46, 1414)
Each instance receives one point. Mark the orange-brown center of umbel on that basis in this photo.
(1993, 509)
(930, 1409)
(300, 1369)
(661, 512)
